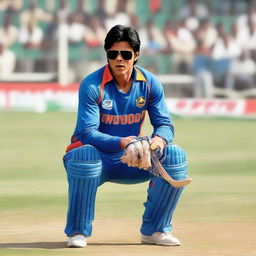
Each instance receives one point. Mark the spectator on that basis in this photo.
(34, 14)
(101, 12)
(7, 61)
(31, 36)
(119, 16)
(135, 22)
(183, 45)
(250, 44)
(10, 7)
(15, 6)
(170, 34)
(244, 19)
(204, 86)
(81, 15)
(241, 73)
(94, 33)
(63, 12)
(206, 33)
(195, 9)
(220, 29)
(192, 23)
(224, 50)
(240, 36)
(8, 32)
(49, 45)
(76, 30)
(112, 6)
(152, 38)
(51, 33)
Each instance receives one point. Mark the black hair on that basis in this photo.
(120, 33)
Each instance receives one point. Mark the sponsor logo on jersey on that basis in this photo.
(140, 102)
(107, 104)
(122, 119)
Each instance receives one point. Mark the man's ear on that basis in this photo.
(136, 56)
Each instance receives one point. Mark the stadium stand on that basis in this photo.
(185, 16)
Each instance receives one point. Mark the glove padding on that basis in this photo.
(138, 153)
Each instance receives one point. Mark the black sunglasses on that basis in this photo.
(112, 54)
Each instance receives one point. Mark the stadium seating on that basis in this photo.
(161, 63)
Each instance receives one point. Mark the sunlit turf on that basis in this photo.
(221, 155)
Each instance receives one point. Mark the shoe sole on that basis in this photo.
(161, 244)
(75, 246)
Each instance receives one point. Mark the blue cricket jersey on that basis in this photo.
(106, 114)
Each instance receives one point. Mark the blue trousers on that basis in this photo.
(87, 169)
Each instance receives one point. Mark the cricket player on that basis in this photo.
(113, 102)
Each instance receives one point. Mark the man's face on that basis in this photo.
(121, 65)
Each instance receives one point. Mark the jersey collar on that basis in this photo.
(107, 76)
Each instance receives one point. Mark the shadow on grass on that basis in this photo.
(57, 245)
(39, 245)
(114, 244)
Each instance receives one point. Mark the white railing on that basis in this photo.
(170, 80)
(30, 77)
(167, 80)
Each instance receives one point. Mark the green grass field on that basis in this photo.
(216, 214)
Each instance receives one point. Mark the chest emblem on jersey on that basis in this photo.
(107, 104)
(140, 102)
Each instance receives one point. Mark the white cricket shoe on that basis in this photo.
(160, 239)
(77, 241)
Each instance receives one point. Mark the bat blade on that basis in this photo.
(166, 176)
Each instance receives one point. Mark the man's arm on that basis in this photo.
(88, 121)
(159, 115)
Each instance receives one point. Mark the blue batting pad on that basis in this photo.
(175, 162)
(162, 197)
(83, 166)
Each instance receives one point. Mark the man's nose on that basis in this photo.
(119, 56)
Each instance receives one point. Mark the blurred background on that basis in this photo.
(198, 48)
(202, 51)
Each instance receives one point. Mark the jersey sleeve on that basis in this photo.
(159, 115)
(88, 121)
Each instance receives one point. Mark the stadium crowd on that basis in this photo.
(215, 41)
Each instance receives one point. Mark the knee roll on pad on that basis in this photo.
(84, 162)
(86, 153)
(175, 162)
(83, 166)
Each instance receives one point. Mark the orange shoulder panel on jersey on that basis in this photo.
(141, 77)
(107, 76)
